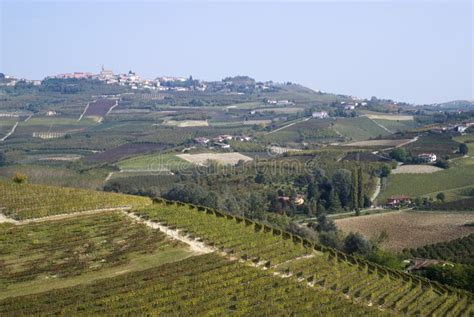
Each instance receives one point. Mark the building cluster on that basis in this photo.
(298, 200)
(10, 81)
(280, 102)
(320, 114)
(134, 81)
(460, 128)
(352, 105)
(398, 201)
(221, 140)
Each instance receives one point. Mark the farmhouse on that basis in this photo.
(201, 140)
(420, 264)
(298, 200)
(394, 201)
(427, 157)
(222, 145)
(461, 128)
(320, 114)
(243, 138)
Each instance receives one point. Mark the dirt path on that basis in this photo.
(4, 218)
(376, 192)
(85, 110)
(196, 246)
(10, 133)
(112, 108)
(381, 126)
(289, 125)
(402, 144)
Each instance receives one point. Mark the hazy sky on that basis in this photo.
(415, 51)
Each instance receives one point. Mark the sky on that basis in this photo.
(412, 51)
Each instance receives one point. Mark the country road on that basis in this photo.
(289, 125)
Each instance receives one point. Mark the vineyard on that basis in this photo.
(324, 269)
(100, 107)
(23, 201)
(458, 251)
(205, 285)
(71, 247)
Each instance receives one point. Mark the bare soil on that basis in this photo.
(409, 229)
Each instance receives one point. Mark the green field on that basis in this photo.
(23, 201)
(154, 162)
(396, 126)
(469, 140)
(359, 128)
(459, 176)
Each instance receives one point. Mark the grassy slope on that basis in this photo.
(360, 128)
(154, 162)
(469, 140)
(395, 126)
(461, 174)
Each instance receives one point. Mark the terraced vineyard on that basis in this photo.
(459, 250)
(23, 201)
(110, 264)
(44, 255)
(324, 269)
(200, 286)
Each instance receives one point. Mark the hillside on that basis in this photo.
(24, 201)
(251, 265)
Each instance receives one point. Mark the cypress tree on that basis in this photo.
(360, 190)
(354, 190)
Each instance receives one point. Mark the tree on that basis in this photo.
(312, 207)
(324, 223)
(356, 243)
(20, 178)
(355, 193)
(463, 149)
(260, 177)
(334, 203)
(256, 207)
(312, 191)
(440, 197)
(342, 181)
(442, 164)
(385, 170)
(399, 154)
(360, 188)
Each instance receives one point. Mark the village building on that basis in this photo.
(428, 157)
(461, 128)
(320, 114)
(201, 140)
(395, 201)
(222, 145)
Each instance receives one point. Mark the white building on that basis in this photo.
(320, 114)
(428, 157)
(461, 128)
